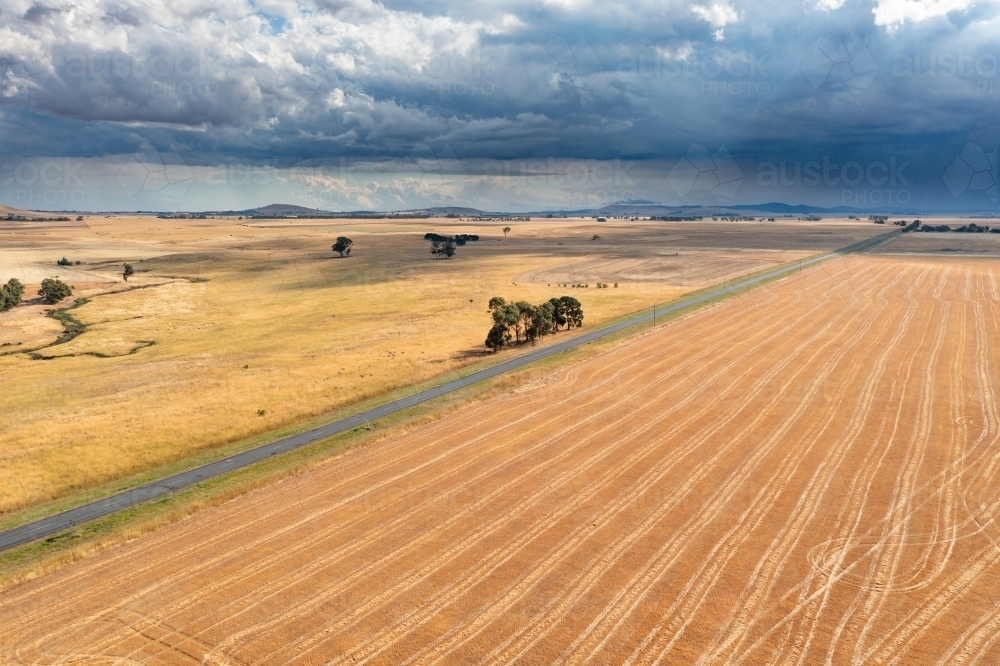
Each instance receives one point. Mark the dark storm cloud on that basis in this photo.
(772, 82)
(122, 15)
(38, 12)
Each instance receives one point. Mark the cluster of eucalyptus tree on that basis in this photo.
(520, 321)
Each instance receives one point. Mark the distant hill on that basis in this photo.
(10, 210)
(283, 209)
(11, 214)
(445, 211)
(775, 207)
(644, 209)
(455, 210)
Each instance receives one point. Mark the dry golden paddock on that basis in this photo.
(806, 473)
(224, 318)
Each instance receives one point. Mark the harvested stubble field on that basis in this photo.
(226, 317)
(947, 244)
(803, 474)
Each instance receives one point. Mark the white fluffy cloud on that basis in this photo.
(718, 15)
(892, 13)
(232, 64)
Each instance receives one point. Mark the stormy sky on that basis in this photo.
(514, 105)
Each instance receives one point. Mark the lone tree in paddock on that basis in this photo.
(445, 250)
(128, 271)
(343, 246)
(10, 294)
(54, 290)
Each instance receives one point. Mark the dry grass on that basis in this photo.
(809, 476)
(263, 317)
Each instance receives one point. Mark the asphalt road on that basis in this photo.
(62, 521)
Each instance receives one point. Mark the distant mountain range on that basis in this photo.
(650, 209)
(635, 207)
(630, 208)
(290, 210)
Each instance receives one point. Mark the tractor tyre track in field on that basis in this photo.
(806, 473)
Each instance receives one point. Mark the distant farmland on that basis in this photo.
(230, 329)
(807, 472)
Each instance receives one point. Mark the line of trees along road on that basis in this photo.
(520, 321)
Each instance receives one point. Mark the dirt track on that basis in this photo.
(802, 473)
